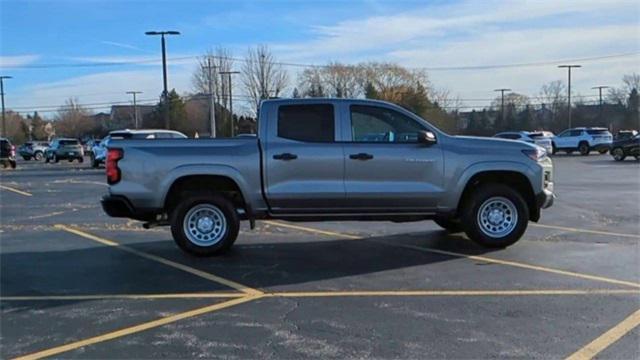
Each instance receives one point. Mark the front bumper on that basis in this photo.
(546, 197)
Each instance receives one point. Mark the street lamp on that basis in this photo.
(164, 70)
(229, 73)
(600, 95)
(569, 67)
(135, 106)
(4, 124)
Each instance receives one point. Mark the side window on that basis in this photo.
(309, 123)
(510, 136)
(564, 133)
(575, 133)
(378, 124)
(164, 135)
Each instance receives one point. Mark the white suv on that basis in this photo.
(99, 149)
(584, 140)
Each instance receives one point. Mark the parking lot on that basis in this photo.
(78, 284)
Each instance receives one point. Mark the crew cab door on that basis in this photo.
(386, 168)
(303, 164)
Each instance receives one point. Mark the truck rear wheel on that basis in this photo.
(495, 216)
(205, 225)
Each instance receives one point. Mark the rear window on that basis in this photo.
(68, 142)
(309, 123)
(598, 132)
(536, 135)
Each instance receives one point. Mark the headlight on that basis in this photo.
(536, 154)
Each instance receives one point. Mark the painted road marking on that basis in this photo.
(173, 264)
(456, 254)
(122, 297)
(586, 231)
(137, 328)
(607, 339)
(15, 190)
(295, 294)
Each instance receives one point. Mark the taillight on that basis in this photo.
(111, 164)
(13, 150)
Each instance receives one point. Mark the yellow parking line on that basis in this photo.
(472, 257)
(173, 264)
(137, 328)
(15, 190)
(586, 231)
(605, 340)
(296, 294)
(121, 297)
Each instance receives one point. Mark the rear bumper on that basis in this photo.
(120, 206)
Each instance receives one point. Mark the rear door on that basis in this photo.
(386, 169)
(303, 163)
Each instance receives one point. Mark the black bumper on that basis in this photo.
(120, 206)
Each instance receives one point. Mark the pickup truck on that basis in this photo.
(328, 160)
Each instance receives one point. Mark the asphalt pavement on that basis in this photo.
(75, 283)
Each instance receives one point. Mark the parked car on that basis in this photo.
(88, 146)
(584, 140)
(537, 138)
(7, 153)
(625, 134)
(629, 146)
(321, 160)
(99, 150)
(33, 150)
(64, 149)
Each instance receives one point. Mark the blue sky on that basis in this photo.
(413, 33)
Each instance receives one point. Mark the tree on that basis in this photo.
(310, 81)
(262, 76)
(72, 120)
(222, 61)
(38, 127)
(629, 82)
(177, 113)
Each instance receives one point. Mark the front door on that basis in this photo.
(304, 165)
(386, 169)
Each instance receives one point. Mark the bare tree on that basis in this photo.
(310, 83)
(621, 94)
(341, 81)
(221, 59)
(72, 120)
(262, 76)
(445, 99)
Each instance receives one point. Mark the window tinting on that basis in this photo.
(68, 142)
(310, 123)
(575, 133)
(378, 124)
(598, 132)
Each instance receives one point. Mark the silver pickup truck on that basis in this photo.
(329, 159)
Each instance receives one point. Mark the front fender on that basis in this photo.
(454, 193)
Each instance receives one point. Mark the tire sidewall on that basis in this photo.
(583, 148)
(475, 201)
(616, 156)
(181, 239)
(37, 155)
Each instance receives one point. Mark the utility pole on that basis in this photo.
(4, 122)
(600, 95)
(212, 105)
(229, 73)
(569, 67)
(504, 121)
(165, 92)
(135, 107)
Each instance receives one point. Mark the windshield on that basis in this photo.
(69, 142)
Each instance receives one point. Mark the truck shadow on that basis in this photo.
(374, 263)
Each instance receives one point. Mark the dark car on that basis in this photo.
(61, 149)
(625, 134)
(7, 153)
(620, 149)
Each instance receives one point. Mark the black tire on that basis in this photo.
(554, 149)
(37, 155)
(13, 164)
(27, 158)
(81, 160)
(583, 148)
(618, 154)
(451, 225)
(229, 235)
(55, 158)
(483, 195)
(94, 163)
(46, 159)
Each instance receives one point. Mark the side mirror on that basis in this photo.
(427, 138)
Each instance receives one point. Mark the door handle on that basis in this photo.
(361, 156)
(285, 156)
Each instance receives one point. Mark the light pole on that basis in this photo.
(135, 107)
(229, 73)
(212, 105)
(4, 123)
(164, 71)
(502, 103)
(569, 67)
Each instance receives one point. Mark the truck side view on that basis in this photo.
(329, 159)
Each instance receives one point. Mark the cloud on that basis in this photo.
(17, 61)
(123, 45)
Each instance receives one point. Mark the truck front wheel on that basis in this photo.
(205, 225)
(495, 216)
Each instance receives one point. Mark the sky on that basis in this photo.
(83, 49)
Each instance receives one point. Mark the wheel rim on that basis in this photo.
(205, 225)
(617, 154)
(497, 217)
(38, 156)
